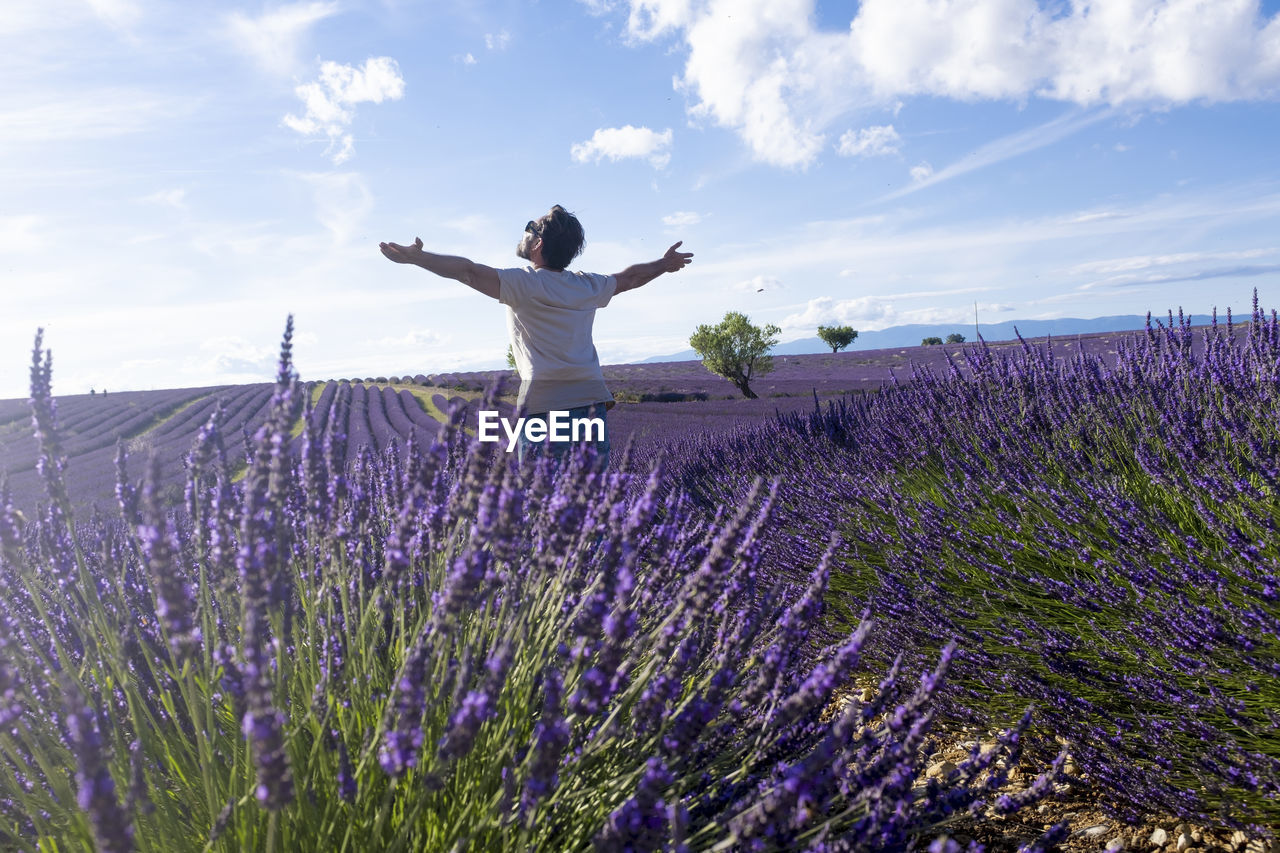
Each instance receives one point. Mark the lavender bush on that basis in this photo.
(430, 649)
(1100, 534)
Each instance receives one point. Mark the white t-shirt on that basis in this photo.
(549, 318)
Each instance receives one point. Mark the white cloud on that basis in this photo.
(651, 18)
(1137, 270)
(753, 66)
(618, 143)
(1142, 262)
(1183, 275)
(469, 59)
(330, 101)
(765, 70)
(869, 142)
(1092, 216)
(681, 218)
(864, 311)
(921, 173)
(274, 38)
(899, 254)
(869, 313)
(497, 41)
(1004, 148)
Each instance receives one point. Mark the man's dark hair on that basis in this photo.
(562, 237)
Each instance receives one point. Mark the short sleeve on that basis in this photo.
(607, 287)
(513, 287)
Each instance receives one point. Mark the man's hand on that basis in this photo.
(641, 274)
(476, 276)
(674, 261)
(403, 254)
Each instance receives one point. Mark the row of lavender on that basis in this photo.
(1099, 535)
(90, 422)
(793, 375)
(161, 422)
(165, 423)
(373, 417)
(168, 420)
(431, 649)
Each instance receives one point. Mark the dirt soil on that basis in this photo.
(1076, 803)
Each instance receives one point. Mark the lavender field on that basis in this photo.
(320, 616)
(657, 403)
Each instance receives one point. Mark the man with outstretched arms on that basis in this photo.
(550, 312)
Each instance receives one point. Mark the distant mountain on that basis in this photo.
(911, 335)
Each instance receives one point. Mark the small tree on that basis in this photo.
(736, 350)
(931, 342)
(511, 358)
(837, 337)
(955, 338)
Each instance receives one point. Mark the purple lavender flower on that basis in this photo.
(1052, 837)
(51, 461)
(825, 677)
(95, 789)
(403, 739)
(265, 729)
(139, 799)
(642, 822)
(464, 725)
(1040, 788)
(476, 707)
(160, 546)
(126, 494)
(10, 681)
(347, 788)
(550, 739)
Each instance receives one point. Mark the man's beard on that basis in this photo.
(522, 248)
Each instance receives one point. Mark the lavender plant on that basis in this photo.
(431, 649)
(1099, 534)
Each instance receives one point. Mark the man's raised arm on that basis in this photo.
(473, 275)
(639, 275)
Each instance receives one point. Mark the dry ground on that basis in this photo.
(1076, 803)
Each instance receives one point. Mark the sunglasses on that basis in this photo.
(533, 228)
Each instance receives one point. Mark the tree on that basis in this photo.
(837, 337)
(736, 350)
(511, 357)
(930, 342)
(955, 338)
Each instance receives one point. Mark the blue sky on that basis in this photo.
(179, 177)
